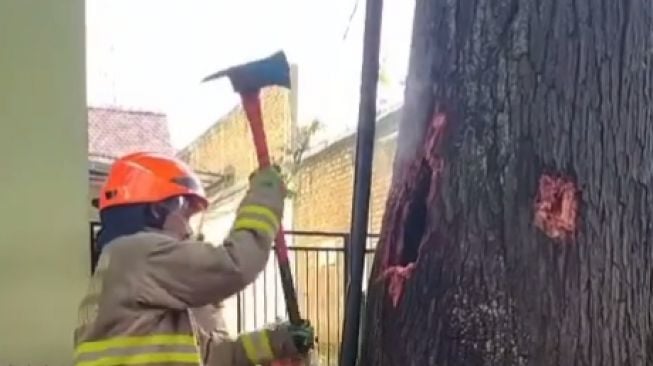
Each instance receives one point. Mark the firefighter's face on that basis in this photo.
(177, 221)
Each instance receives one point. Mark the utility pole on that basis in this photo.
(362, 181)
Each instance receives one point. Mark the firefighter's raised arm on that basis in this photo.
(186, 273)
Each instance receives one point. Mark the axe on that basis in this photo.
(248, 80)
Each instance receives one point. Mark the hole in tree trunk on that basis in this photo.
(415, 222)
(404, 223)
(412, 226)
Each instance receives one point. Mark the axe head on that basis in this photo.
(256, 75)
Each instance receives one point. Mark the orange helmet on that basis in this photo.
(149, 178)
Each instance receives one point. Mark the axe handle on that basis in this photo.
(252, 106)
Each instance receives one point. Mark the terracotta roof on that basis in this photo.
(114, 132)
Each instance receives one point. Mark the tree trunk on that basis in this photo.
(519, 227)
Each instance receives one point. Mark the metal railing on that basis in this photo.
(319, 262)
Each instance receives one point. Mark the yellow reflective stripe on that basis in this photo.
(144, 358)
(260, 210)
(124, 342)
(264, 344)
(257, 347)
(250, 350)
(254, 224)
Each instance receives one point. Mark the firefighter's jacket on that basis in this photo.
(154, 300)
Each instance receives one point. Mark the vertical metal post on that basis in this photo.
(362, 179)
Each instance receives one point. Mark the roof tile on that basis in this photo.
(114, 132)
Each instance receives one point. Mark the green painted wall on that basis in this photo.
(43, 179)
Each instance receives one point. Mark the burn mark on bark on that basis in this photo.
(556, 208)
(397, 276)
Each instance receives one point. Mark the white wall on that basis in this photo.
(216, 226)
(263, 300)
(44, 259)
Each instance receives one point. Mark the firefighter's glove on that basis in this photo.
(268, 178)
(303, 336)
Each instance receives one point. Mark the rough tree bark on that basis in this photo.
(519, 228)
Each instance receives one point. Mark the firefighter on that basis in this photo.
(154, 297)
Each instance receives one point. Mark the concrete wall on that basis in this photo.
(325, 182)
(43, 222)
(227, 146)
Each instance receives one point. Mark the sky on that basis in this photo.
(151, 55)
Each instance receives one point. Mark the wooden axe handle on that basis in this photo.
(252, 105)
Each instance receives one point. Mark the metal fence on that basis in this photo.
(319, 263)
